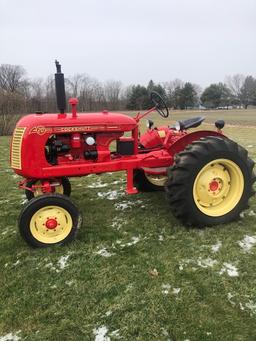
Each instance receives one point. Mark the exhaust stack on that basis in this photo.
(60, 88)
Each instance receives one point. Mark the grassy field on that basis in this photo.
(134, 272)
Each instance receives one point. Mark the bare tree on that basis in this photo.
(235, 84)
(11, 77)
(112, 91)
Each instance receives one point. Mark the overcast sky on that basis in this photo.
(200, 41)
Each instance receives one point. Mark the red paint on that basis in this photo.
(76, 158)
(51, 224)
(214, 185)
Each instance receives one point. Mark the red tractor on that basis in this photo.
(207, 177)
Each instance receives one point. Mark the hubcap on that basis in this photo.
(51, 224)
(218, 187)
(156, 179)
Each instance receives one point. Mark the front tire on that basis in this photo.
(49, 220)
(210, 182)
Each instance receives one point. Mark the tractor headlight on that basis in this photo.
(90, 140)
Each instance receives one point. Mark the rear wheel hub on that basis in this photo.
(218, 187)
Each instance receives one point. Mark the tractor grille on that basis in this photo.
(16, 147)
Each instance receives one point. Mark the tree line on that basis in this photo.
(21, 95)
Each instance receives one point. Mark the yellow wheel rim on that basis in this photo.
(38, 191)
(51, 224)
(156, 179)
(218, 187)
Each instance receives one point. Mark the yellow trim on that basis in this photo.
(38, 191)
(161, 133)
(16, 147)
(156, 179)
(229, 192)
(50, 236)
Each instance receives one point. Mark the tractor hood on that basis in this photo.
(65, 123)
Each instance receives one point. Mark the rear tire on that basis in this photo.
(210, 182)
(49, 220)
(64, 188)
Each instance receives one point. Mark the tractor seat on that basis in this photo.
(190, 123)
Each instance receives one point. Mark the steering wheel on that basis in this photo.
(160, 104)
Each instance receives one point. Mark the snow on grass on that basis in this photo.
(63, 262)
(11, 336)
(230, 296)
(160, 238)
(16, 263)
(104, 253)
(230, 269)
(101, 334)
(117, 223)
(175, 291)
(206, 263)
(247, 243)
(4, 201)
(216, 247)
(111, 195)
(97, 184)
(115, 333)
(166, 288)
(128, 204)
(251, 214)
(134, 241)
(251, 306)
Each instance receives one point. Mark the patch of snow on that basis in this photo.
(4, 201)
(251, 214)
(127, 204)
(11, 337)
(97, 184)
(23, 201)
(216, 247)
(242, 214)
(160, 238)
(208, 333)
(175, 291)
(166, 288)
(115, 333)
(108, 313)
(111, 195)
(16, 263)
(166, 334)
(116, 182)
(117, 223)
(206, 263)
(251, 306)
(134, 241)
(104, 253)
(247, 243)
(230, 296)
(100, 334)
(62, 262)
(230, 269)
(241, 306)
(4, 232)
(70, 283)
(249, 146)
